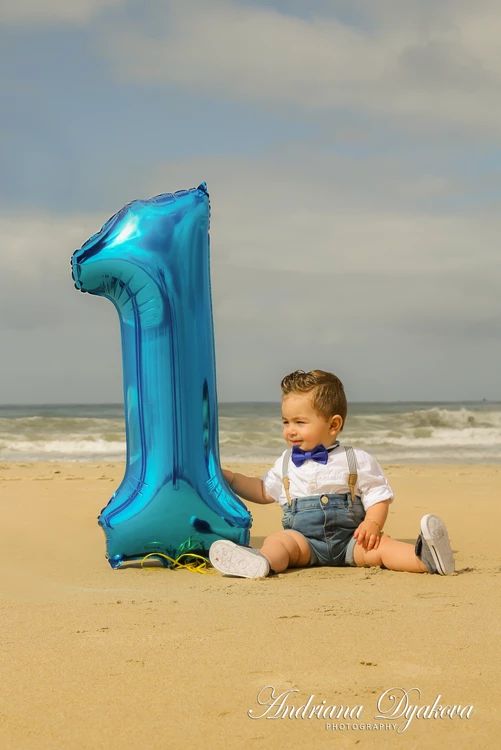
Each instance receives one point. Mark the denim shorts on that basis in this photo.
(328, 522)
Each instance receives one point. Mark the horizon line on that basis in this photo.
(354, 401)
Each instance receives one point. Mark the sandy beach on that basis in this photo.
(154, 658)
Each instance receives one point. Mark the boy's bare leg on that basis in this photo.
(286, 549)
(391, 553)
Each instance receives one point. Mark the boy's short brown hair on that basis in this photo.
(328, 393)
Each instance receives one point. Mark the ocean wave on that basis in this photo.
(438, 438)
(62, 448)
(391, 432)
(455, 419)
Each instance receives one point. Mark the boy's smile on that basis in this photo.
(305, 427)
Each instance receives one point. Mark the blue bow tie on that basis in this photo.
(319, 454)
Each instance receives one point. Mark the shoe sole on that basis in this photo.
(435, 534)
(233, 560)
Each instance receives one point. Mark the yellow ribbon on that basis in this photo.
(192, 566)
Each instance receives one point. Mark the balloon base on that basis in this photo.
(190, 550)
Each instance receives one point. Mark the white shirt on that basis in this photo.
(313, 478)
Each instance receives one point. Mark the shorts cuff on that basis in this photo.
(313, 557)
(349, 560)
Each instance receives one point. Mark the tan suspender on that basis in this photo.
(352, 476)
(352, 466)
(285, 478)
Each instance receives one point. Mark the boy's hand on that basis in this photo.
(368, 534)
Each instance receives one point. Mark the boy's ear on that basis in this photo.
(337, 418)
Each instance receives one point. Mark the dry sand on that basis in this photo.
(159, 659)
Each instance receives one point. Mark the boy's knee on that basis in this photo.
(294, 545)
(299, 547)
(283, 540)
(367, 558)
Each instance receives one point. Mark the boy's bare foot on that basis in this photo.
(433, 546)
(233, 560)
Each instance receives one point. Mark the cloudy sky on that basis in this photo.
(352, 150)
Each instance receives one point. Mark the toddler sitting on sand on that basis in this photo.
(335, 498)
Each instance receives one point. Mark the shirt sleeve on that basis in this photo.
(272, 480)
(372, 483)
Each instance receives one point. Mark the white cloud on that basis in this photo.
(304, 210)
(36, 278)
(34, 244)
(380, 262)
(341, 263)
(443, 65)
(314, 262)
(303, 217)
(49, 12)
(57, 344)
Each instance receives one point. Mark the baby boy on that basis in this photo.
(335, 498)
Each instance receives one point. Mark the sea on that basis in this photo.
(399, 432)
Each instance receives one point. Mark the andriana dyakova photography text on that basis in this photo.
(394, 709)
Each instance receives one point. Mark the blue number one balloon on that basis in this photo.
(152, 261)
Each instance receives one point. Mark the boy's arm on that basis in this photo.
(378, 513)
(250, 488)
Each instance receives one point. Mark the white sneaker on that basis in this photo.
(233, 560)
(433, 546)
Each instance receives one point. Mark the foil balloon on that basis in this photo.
(152, 261)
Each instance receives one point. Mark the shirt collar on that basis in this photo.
(330, 448)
